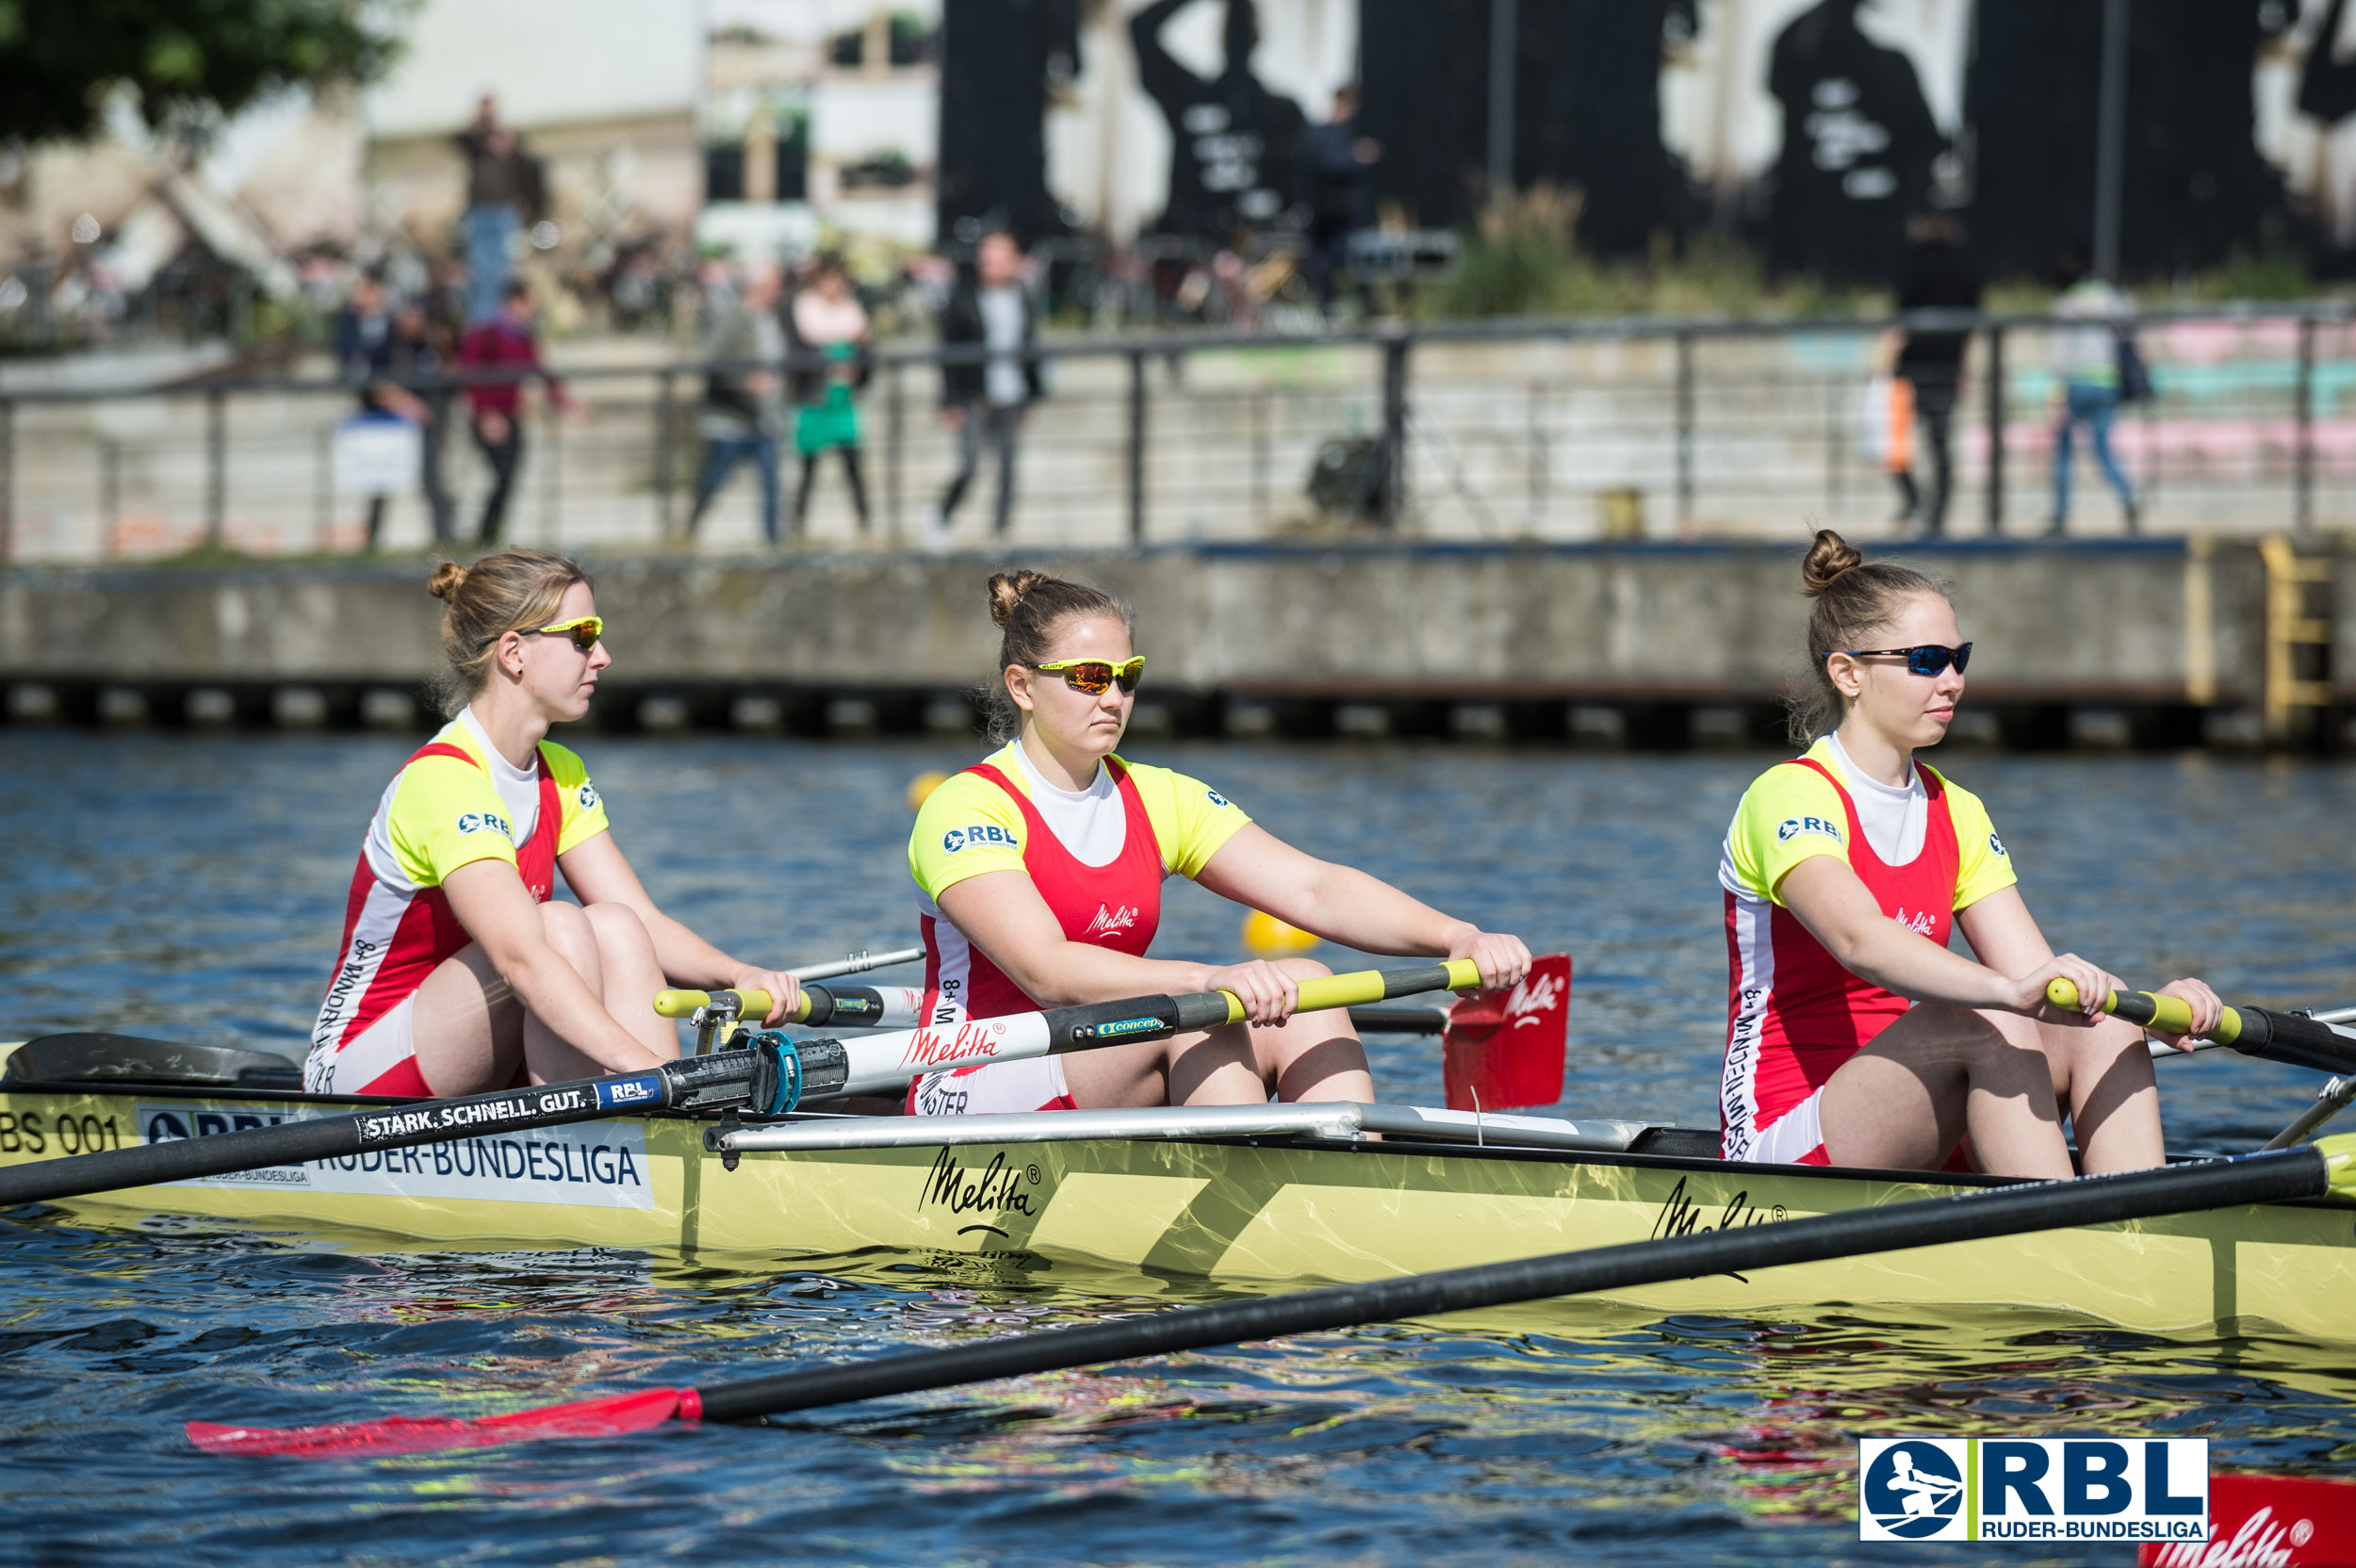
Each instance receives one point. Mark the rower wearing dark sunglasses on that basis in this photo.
(1855, 1036)
(460, 972)
(1039, 875)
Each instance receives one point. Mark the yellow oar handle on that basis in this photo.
(751, 1005)
(1369, 985)
(2170, 1015)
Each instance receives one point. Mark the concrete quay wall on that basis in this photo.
(2170, 638)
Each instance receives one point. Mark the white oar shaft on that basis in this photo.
(857, 963)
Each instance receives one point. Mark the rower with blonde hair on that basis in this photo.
(460, 971)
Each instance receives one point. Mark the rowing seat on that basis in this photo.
(127, 1058)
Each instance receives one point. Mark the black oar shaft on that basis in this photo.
(2093, 1200)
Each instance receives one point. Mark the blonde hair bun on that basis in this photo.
(1007, 589)
(447, 579)
(1830, 556)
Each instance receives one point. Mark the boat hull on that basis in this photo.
(1252, 1214)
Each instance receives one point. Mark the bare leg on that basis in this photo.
(468, 1025)
(633, 975)
(2103, 1074)
(1905, 1100)
(473, 1031)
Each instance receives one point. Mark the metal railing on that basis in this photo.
(1482, 430)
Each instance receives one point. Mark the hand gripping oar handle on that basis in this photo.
(2252, 1030)
(2327, 1168)
(819, 1006)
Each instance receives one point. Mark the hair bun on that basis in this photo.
(1007, 589)
(447, 579)
(1830, 556)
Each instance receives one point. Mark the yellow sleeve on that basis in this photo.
(584, 810)
(1984, 865)
(1786, 815)
(446, 815)
(967, 828)
(1191, 821)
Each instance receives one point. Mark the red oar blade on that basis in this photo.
(1501, 1050)
(610, 1417)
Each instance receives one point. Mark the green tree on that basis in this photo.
(187, 63)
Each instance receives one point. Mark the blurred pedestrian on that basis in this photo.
(1934, 274)
(383, 350)
(2086, 378)
(418, 359)
(744, 342)
(505, 190)
(984, 401)
(506, 343)
(828, 320)
(1336, 187)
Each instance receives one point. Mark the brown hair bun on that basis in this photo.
(447, 579)
(1830, 556)
(1005, 593)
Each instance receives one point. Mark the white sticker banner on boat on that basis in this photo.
(594, 1164)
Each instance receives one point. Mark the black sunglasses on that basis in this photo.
(1921, 658)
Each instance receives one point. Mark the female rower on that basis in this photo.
(1855, 1036)
(1039, 873)
(458, 972)
(1039, 883)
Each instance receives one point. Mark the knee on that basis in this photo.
(618, 928)
(568, 929)
(1304, 969)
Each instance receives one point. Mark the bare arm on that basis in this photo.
(491, 903)
(1002, 913)
(596, 870)
(2005, 935)
(1840, 913)
(1344, 905)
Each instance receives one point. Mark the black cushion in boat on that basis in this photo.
(127, 1058)
(1685, 1143)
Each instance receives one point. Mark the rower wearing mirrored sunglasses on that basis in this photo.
(1039, 873)
(1855, 1036)
(460, 971)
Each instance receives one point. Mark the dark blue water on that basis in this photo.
(191, 886)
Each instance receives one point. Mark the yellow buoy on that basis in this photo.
(923, 785)
(1266, 935)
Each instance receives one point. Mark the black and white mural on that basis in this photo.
(1812, 127)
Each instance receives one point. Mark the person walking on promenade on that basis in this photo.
(505, 189)
(2085, 379)
(1934, 274)
(984, 401)
(828, 319)
(505, 342)
(744, 342)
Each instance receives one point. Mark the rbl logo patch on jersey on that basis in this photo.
(982, 833)
(1997, 845)
(588, 797)
(1792, 828)
(482, 822)
(1216, 798)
